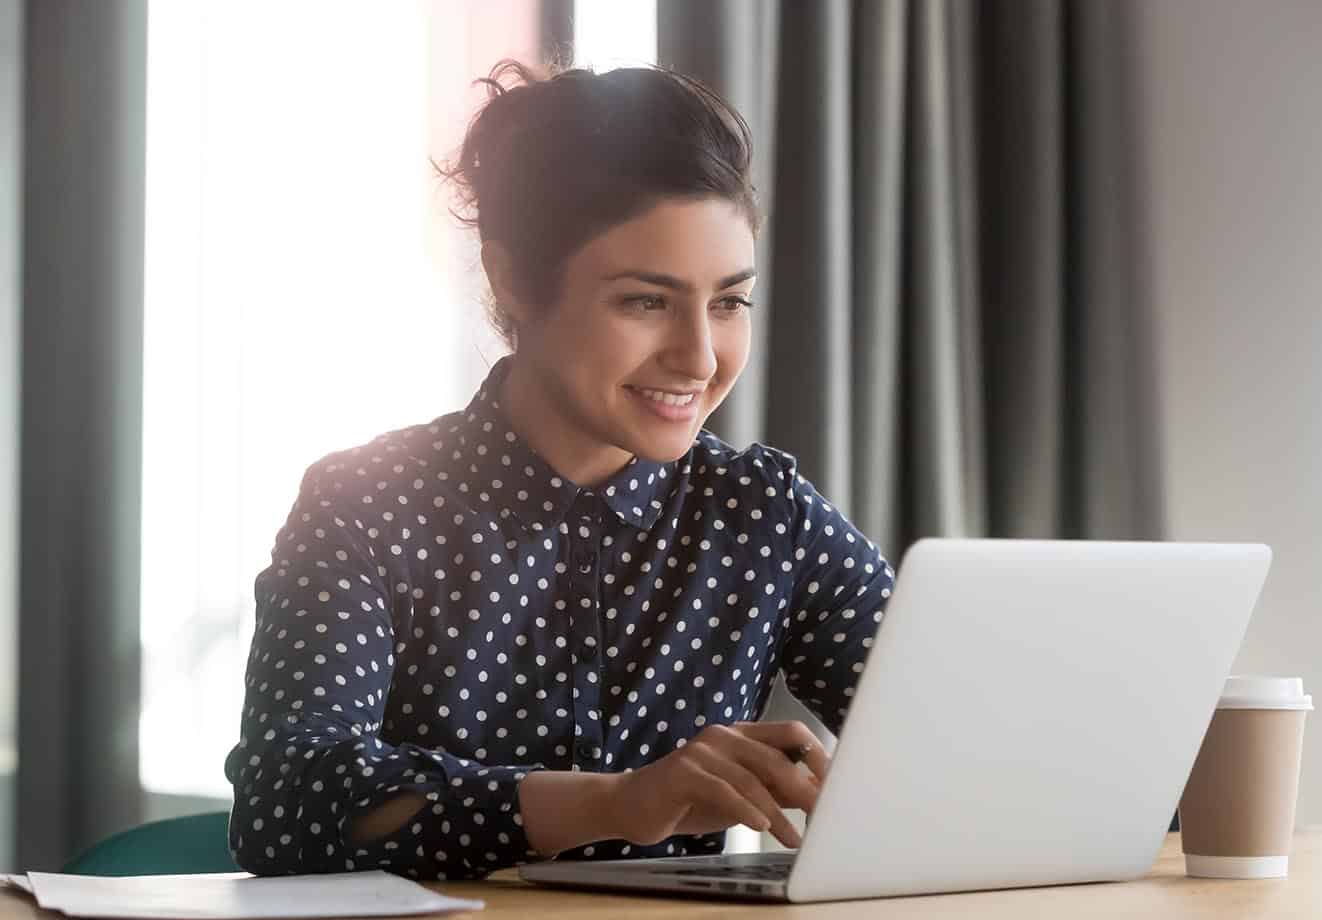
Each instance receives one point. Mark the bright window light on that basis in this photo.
(306, 290)
(614, 33)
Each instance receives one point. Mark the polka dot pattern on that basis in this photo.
(444, 613)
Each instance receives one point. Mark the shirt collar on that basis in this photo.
(507, 474)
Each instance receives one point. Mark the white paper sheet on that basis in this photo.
(238, 895)
(16, 881)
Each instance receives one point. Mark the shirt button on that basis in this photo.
(588, 652)
(585, 751)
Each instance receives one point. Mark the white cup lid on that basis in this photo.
(1243, 691)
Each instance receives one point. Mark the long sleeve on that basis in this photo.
(841, 585)
(330, 608)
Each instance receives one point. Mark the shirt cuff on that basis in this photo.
(469, 826)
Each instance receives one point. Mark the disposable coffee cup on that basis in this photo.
(1238, 808)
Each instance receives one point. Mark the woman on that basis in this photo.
(544, 626)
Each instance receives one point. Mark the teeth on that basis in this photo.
(670, 399)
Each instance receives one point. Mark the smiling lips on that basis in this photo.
(670, 399)
(666, 404)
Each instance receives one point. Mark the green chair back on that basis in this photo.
(176, 846)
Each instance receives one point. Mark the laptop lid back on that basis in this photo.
(1028, 715)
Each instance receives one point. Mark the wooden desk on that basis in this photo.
(1166, 893)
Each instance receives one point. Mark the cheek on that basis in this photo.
(600, 353)
(617, 349)
(584, 344)
(732, 346)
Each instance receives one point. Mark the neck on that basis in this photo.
(564, 443)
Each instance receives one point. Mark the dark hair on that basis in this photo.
(552, 161)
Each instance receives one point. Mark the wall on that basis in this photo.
(1232, 146)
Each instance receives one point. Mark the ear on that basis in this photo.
(499, 267)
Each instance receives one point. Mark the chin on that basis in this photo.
(663, 451)
(659, 455)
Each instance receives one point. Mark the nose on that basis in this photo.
(689, 348)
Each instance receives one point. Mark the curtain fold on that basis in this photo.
(1119, 490)
(11, 132)
(84, 150)
(1023, 236)
(879, 114)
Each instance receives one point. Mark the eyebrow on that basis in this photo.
(679, 284)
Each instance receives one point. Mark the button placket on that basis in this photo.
(585, 631)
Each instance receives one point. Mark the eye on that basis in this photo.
(735, 304)
(646, 302)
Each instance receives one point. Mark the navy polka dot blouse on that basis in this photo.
(444, 614)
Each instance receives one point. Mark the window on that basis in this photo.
(306, 289)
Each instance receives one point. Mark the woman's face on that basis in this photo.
(651, 329)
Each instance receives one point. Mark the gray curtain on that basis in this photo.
(11, 120)
(954, 335)
(83, 148)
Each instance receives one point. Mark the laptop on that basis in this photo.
(1028, 715)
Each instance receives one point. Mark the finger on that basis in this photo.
(789, 785)
(747, 783)
(718, 795)
(722, 798)
(790, 735)
(784, 831)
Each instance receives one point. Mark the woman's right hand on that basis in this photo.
(725, 775)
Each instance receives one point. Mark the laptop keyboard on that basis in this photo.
(771, 871)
